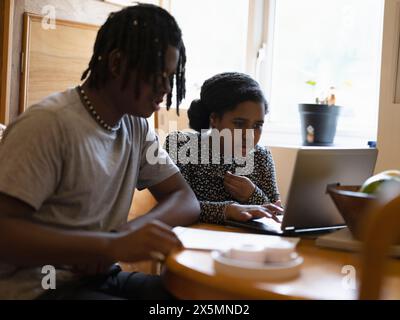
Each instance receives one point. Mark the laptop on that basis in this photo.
(309, 208)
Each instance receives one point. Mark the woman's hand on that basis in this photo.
(240, 212)
(240, 188)
(278, 203)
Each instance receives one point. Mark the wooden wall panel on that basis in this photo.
(6, 22)
(54, 59)
(82, 11)
(169, 121)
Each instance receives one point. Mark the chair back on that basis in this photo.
(381, 232)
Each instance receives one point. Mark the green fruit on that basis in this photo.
(374, 183)
(392, 173)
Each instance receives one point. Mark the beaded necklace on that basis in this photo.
(94, 114)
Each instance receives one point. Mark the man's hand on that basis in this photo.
(240, 212)
(153, 240)
(240, 188)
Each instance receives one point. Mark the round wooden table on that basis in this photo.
(325, 274)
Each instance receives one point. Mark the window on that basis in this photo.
(215, 35)
(332, 43)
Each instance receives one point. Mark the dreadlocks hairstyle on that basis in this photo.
(222, 93)
(142, 33)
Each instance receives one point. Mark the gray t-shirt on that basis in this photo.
(77, 175)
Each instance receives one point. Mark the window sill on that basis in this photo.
(290, 136)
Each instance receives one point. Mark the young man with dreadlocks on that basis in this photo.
(70, 164)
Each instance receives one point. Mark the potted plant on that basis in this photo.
(319, 119)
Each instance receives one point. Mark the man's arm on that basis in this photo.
(24, 242)
(177, 204)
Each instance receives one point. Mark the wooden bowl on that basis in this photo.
(352, 205)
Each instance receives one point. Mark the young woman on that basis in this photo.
(228, 102)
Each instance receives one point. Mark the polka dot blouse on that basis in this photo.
(206, 180)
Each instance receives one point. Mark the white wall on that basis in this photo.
(389, 112)
(284, 158)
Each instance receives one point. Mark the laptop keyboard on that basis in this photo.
(263, 225)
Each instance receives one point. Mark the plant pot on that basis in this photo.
(318, 124)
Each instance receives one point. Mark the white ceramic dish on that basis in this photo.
(259, 271)
(248, 252)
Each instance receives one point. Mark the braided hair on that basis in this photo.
(143, 33)
(222, 93)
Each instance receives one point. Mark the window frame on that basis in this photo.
(259, 62)
(283, 134)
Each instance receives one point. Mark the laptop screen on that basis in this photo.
(307, 203)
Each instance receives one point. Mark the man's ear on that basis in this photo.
(115, 61)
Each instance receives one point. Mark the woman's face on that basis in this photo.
(248, 115)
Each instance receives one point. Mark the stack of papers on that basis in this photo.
(220, 240)
(343, 240)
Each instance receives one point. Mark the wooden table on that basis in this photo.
(189, 274)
